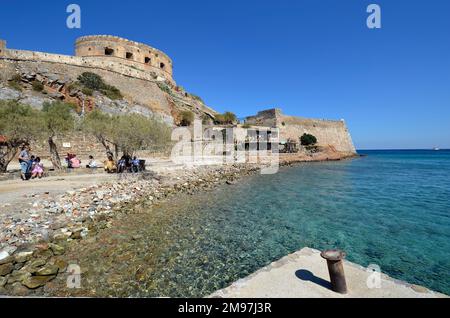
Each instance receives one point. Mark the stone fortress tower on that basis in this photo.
(133, 54)
(106, 52)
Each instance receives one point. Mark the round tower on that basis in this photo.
(134, 54)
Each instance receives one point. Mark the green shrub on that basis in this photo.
(95, 82)
(197, 98)
(87, 91)
(37, 86)
(15, 81)
(164, 88)
(246, 126)
(226, 118)
(91, 80)
(111, 92)
(15, 85)
(308, 140)
(187, 117)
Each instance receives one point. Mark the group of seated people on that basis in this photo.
(125, 164)
(72, 161)
(30, 165)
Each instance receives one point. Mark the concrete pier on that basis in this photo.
(304, 274)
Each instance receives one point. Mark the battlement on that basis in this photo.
(105, 52)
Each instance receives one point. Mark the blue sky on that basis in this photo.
(310, 58)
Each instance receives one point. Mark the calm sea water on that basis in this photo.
(391, 208)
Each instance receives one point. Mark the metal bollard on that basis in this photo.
(336, 269)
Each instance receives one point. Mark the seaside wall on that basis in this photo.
(329, 133)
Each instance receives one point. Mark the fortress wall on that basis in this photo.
(327, 132)
(130, 52)
(110, 64)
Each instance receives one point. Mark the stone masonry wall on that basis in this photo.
(123, 51)
(332, 133)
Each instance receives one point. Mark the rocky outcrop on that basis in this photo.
(155, 97)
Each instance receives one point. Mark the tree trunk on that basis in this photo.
(105, 144)
(7, 153)
(54, 156)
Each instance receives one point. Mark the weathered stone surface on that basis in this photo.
(57, 249)
(62, 265)
(6, 258)
(34, 282)
(5, 269)
(7, 93)
(47, 270)
(3, 281)
(21, 257)
(18, 276)
(19, 290)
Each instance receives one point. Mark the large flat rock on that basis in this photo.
(305, 274)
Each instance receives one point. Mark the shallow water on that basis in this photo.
(391, 208)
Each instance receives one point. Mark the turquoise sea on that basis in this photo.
(391, 208)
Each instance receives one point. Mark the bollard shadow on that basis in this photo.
(306, 275)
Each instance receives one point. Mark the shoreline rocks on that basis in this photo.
(32, 250)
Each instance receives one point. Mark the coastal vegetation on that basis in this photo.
(56, 119)
(21, 124)
(227, 118)
(187, 118)
(93, 82)
(126, 133)
(308, 140)
(14, 82)
(37, 86)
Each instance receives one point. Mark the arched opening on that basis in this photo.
(147, 60)
(129, 55)
(162, 65)
(109, 51)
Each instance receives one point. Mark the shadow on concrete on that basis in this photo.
(304, 274)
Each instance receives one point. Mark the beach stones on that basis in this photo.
(47, 270)
(23, 256)
(5, 269)
(34, 282)
(56, 249)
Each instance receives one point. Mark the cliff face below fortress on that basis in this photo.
(147, 86)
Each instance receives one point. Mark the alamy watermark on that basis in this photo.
(74, 276)
(219, 146)
(74, 19)
(374, 19)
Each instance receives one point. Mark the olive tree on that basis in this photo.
(126, 133)
(134, 131)
(101, 126)
(19, 124)
(58, 119)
